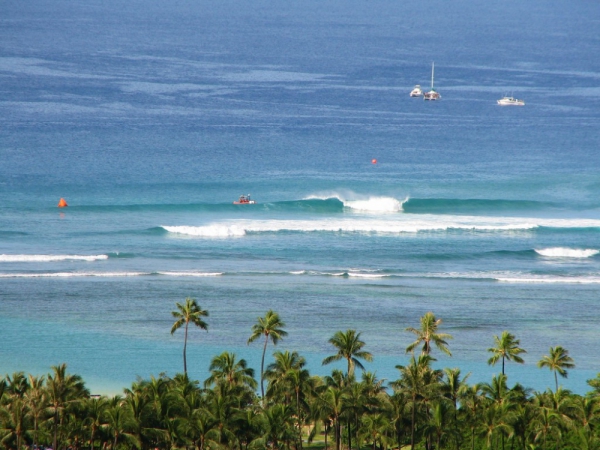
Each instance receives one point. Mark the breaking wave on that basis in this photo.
(551, 279)
(564, 252)
(367, 204)
(50, 258)
(403, 223)
(107, 274)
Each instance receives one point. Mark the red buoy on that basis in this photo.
(62, 203)
(374, 161)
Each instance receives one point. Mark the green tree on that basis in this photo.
(507, 348)
(186, 313)
(278, 427)
(419, 381)
(119, 425)
(37, 403)
(349, 347)
(271, 327)
(62, 389)
(226, 370)
(14, 423)
(428, 334)
(96, 410)
(329, 406)
(558, 361)
(277, 373)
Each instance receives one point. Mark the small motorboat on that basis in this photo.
(510, 101)
(244, 200)
(416, 92)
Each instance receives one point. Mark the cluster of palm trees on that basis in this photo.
(425, 408)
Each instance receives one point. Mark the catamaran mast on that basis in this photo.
(432, 66)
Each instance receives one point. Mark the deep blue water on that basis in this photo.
(151, 118)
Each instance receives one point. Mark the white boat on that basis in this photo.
(432, 94)
(416, 92)
(510, 101)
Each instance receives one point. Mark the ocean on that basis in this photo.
(372, 208)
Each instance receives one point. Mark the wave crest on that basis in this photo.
(365, 204)
(564, 252)
(216, 230)
(50, 258)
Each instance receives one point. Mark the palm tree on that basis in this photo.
(349, 347)
(277, 373)
(557, 361)
(271, 327)
(329, 407)
(471, 406)
(418, 380)
(226, 370)
(427, 334)
(62, 389)
(186, 313)
(119, 425)
(96, 409)
(507, 348)
(36, 403)
(278, 427)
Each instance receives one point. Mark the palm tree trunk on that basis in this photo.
(184, 348)
(262, 369)
(349, 435)
(35, 432)
(338, 434)
(556, 381)
(55, 426)
(298, 415)
(92, 438)
(412, 425)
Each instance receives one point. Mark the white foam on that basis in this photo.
(50, 258)
(366, 275)
(552, 280)
(298, 272)
(212, 231)
(72, 274)
(191, 274)
(564, 252)
(396, 224)
(376, 204)
(365, 203)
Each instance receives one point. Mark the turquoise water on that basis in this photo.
(151, 122)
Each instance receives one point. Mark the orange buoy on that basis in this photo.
(374, 161)
(62, 203)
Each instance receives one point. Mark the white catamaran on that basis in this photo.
(432, 94)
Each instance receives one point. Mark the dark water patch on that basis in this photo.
(7, 234)
(472, 206)
(520, 254)
(382, 286)
(330, 205)
(544, 230)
